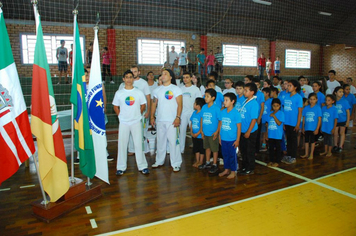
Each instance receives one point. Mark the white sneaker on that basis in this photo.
(155, 165)
(175, 169)
(112, 82)
(221, 162)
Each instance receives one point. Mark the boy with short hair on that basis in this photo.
(274, 92)
(305, 88)
(195, 125)
(210, 127)
(214, 76)
(266, 111)
(240, 98)
(332, 83)
(168, 101)
(260, 98)
(276, 83)
(182, 61)
(249, 115)
(219, 98)
(129, 104)
(277, 66)
(201, 62)
(62, 55)
(230, 133)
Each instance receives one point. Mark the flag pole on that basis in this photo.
(35, 160)
(72, 178)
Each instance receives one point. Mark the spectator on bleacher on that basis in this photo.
(277, 66)
(62, 56)
(306, 89)
(192, 59)
(229, 86)
(332, 82)
(219, 59)
(201, 62)
(71, 57)
(182, 61)
(210, 60)
(261, 65)
(269, 68)
(106, 65)
(89, 54)
(177, 72)
(172, 55)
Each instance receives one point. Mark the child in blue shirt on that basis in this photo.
(343, 109)
(198, 148)
(321, 97)
(328, 123)
(219, 100)
(240, 98)
(230, 133)
(249, 115)
(311, 124)
(260, 98)
(210, 120)
(293, 106)
(275, 122)
(267, 109)
(352, 102)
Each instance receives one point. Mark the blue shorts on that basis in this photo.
(62, 66)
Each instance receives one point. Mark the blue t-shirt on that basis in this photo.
(219, 100)
(275, 131)
(328, 118)
(229, 121)
(201, 57)
(301, 93)
(351, 99)
(311, 117)
(282, 95)
(211, 116)
(291, 105)
(321, 98)
(248, 112)
(267, 110)
(342, 105)
(239, 102)
(195, 119)
(260, 99)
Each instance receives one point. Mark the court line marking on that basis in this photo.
(333, 174)
(310, 180)
(93, 223)
(5, 189)
(88, 209)
(28, 186)
(201, 211)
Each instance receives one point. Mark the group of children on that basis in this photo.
(235, 121)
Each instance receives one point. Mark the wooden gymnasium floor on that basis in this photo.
(315, 197)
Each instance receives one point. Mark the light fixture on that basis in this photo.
(262, 2)
(324, 13)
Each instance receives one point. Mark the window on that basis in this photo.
(51, 42)
(298, 59)
(239, 55)
(154, 51)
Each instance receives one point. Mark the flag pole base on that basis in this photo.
(77, 195)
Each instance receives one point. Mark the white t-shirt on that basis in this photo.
(217, 89)
(230, 90)
(167, 102)
(130, 102)
(277, 65)
(278, 87)
(141, 84)
(352, 89)
(328, 91)
(172, 56)
(182, 59)
(152, 87)
(268, 65)
(307, 89)
(332, 85)
(189, 95)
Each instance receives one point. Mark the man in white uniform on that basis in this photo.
(168, 101)
(189, 93)
(129, 105)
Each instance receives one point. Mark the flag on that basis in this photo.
(82, 133)
(45, 126)
(16, 142)
(95, 102)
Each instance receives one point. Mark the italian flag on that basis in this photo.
(45, 126)
(16, 142)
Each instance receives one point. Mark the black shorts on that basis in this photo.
(219, 68)
(328, 140)
(62, 66)
(341, 124)
(198, 146)
(309, 137)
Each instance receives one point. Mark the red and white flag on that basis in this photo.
(16, 143)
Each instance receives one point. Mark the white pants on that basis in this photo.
(124, 132)
(131, 142)
(167, 131)
(184, 122)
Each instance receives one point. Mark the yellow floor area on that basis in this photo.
(307, 209)
(344, 181)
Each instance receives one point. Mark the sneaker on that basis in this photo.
(285, 159)
(120, 172)
(110, 158)
(247, 172)
(145, 171)
(76, 161)
(335, 149)
(240, 170)
(339, 149)
(263, 150)
(155, 165)
(59, 83)
(112, 82)
(221, 162)
(213, 169)
(321, 138)
(202, 166)
(291, 160)
(176, 169)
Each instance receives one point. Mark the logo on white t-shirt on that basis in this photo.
(169, 95)
(130, 100)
